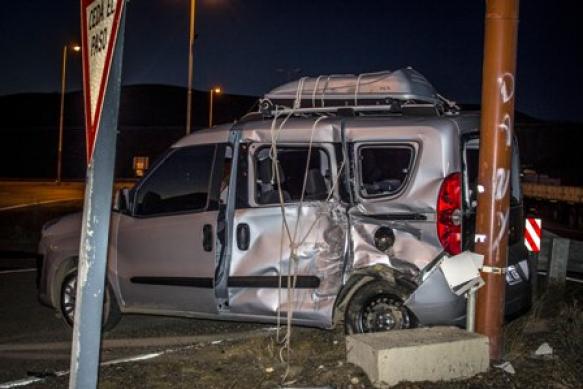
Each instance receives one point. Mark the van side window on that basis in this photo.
(180, 183)
(291, 169)
(384, 169)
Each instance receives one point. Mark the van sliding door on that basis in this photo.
(261, 262)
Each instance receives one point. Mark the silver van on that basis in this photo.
(334, 202)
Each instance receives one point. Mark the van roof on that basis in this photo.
(329, 128)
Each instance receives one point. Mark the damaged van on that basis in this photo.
(334, 203)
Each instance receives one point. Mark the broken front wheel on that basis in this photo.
(376, 307)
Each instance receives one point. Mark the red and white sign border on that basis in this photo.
(532, 234)
(92, 122)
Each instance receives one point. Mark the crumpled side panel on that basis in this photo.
(414, 247)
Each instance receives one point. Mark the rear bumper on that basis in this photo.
(39, 268)
(433, 303)
(518, 299)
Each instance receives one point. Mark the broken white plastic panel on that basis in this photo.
(462, 271)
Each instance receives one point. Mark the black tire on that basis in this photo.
(377, 306)
(111, 311)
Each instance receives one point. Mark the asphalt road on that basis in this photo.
(15, 194)
(35, 341)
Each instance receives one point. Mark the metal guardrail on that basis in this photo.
(568, 194)
(575, 256)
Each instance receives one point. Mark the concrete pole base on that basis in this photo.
(421, 354)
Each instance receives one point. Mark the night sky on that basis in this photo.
(250, 46)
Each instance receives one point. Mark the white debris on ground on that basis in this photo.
(507, 367)
(544, 350)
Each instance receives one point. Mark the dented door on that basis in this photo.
(262, 264)
(384, 176)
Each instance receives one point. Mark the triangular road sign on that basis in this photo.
(99, 26)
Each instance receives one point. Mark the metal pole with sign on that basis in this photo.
(102, 29)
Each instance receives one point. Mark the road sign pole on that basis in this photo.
(95, 231)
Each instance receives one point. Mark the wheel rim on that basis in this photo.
(383, 313)
(68, 296)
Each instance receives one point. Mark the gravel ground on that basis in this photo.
(318, 358)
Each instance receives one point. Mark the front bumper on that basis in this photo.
(41, 275)
(41, 282)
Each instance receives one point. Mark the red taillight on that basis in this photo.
(449, 215)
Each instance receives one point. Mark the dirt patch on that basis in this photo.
(318, 360)
(254, 363)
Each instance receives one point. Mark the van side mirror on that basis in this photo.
(121, 202)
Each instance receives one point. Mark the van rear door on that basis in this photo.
(519, 269)
(470, 180)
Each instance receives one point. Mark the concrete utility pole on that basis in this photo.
(191, 37)
(498, 86)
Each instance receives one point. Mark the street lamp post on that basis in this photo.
(214, 91)
(191, 37)
(75, 48)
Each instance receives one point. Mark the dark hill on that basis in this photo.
(140, 105)
(152, 117)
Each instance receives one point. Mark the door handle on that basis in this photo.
(243, 236)
(207, 237)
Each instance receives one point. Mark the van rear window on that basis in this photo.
(384, 169)
(472, 166)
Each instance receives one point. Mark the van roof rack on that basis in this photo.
(397, 92)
